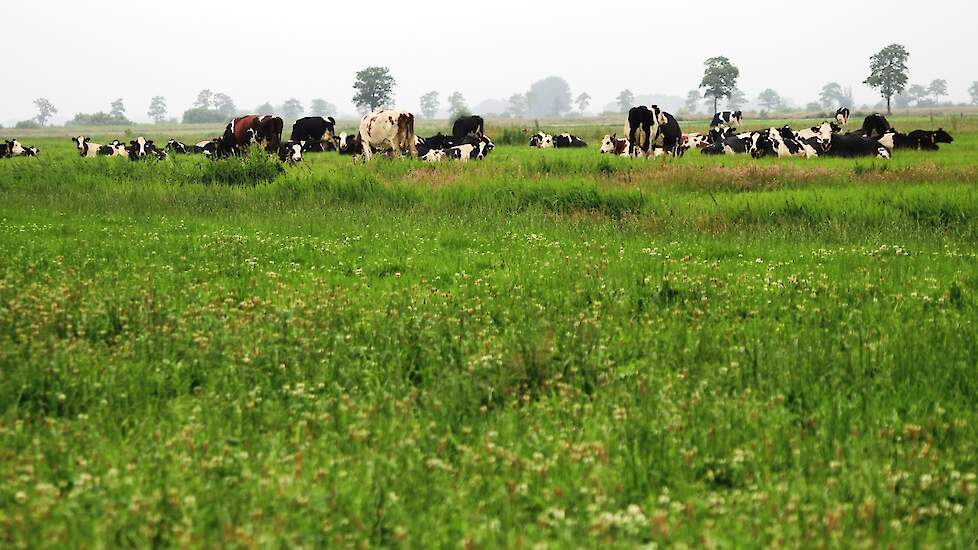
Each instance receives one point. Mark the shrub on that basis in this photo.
(98, 119)
(201, 115)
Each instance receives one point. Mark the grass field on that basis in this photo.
(546, 347)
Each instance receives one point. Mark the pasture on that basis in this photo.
(551, 347)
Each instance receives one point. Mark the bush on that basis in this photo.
(98, 119)
(201, 115)
(27, 125)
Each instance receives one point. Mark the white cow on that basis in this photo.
(388, 130)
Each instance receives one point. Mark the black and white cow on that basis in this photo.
(924, 140)
(471, 149)
(468, 126)
(437, 141)
(114, 149)
(542, 140)
(349, 144)
(842, 117)
(732, 144)
(562, 141)
(12, 148)
(849, 145)
(85, 146)
(643, 128)
(780, 142)
(431, 154)
(875, 125)
(611, 145)
(727, 119)
(211, 148)
(178, 147)
(314, 130)
(823, 131)
(291, 152)
(139, 148)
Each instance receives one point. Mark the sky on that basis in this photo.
(82, 54)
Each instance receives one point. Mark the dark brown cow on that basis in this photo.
(269, 132)
(240, 132)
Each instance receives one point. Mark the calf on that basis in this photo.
(291, 152)
(727, 119)
(842, 117)
(611, 145)
(387, 130)
(567, 140)
(468, 126)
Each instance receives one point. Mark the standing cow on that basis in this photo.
(468, 126)
(269, 133)
(643, 127)
(387, 130)
(314, 130)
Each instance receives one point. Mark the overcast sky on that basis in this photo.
(82, 54)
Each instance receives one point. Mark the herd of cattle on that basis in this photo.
(650, 132)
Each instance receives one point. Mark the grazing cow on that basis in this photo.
(291, 152)
(875, 125)
(611, 145)
(437, 141)
(727, 119)
(643, 127)
(567, 140)
(854, 146)
(468, 126)
(542, 140)
(387, 130)
(85, 146)
(177, 147)
(240, 133)
(842, 117)
(313, 130)
(349, 145)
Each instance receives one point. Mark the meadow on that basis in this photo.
(544, 349)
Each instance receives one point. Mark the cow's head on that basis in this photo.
(608, 144)
(842, 117)
(14, 148)
(760, 143)
(737, 117)
(80, 141)
(31, 151)
(485, 146)
(940, 136)
(882, 152)
(542, 141)
(291, 152)
(137, 147)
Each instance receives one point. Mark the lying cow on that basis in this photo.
(611, 145)
(114, 149)
(438, 141)
(86, 148)
(387, 131)
(780, 142)
(849, 145)
(291, 152)
(875, 125)
(178, 147)
(11, 148)
(562, 141)
(542, 140)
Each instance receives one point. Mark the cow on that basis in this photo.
(875, 125)
(854, 146)
(5, 147)
(139, 148)
(291, 152)
(842, 117)
(731, 144)
(781, 142)
(313, 130)
(823, 131)
(387, 130)
(319, 146)
(643, 127)
(114, 149)
(562, 141)
(31, 151)
(348, 145)
(468, 126)
(431, 154)
(542, 140)
(178, 147)
(669, 135)
(240, 133)
(213, 148)
(727, 119)
(437, 141)
(85, 146)
(12, 148)
(611, 145)
(925, 140)
(269, 133)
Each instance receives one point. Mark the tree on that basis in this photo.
(550, 97)
(430, 104)
(225, 105)
(626, 100)
(973, 90)
(719, 79)
(321, 107)
(583, 100)
(45, 110)
(888, 72)
(200, 115)
(692, 101)
(118, 109)
(157, 109)
(456, 106)
(938, 89)
(265, 109)
(517, 105)
(375, 88)
(916, 93)
(204, 99)
(292, 109)
(737, 100)
(833, 95)
(770, 100)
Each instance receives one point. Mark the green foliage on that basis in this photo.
(200, 115)
(457, 106)
(430, 104)
(292, 109)
(45, 110)
(517, 105)
(833, 96)
(625, 100)
(98, 119)
(321, 107)
(157, 109)
(888, 72)
(550, 97)
(374, 88)
(225, 105)
(719, 79)
(770, 100)
(30, 124)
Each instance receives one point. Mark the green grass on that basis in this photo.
(548, 346)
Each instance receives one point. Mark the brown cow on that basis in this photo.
(392, 130)
(269, 133)
(239, 133)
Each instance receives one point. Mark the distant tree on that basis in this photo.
(225, 105)
(737, 100)
(30, 124)
(292, 109)
(583, 100)
(719, 79)
(550, 97)
(973, 90)
(200, 115)
(692, 101)
(456, 106)
(938, 89)
(45, 110)
(265, 109)
(204, 99)
(98, 119)
(118, 108)
(770, 100)
(813, 106)
(321, 107)
(625, 100)
(916, 93)
(888, 72)
(374, 88)
(430, 104)
(833, 95)
(517, 105)
(157, 109)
